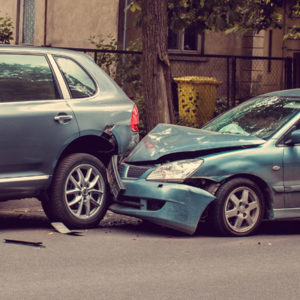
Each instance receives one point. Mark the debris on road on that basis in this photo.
(62, 228)
(26, 243)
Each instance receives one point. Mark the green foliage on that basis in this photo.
(134, 6)
(295, 8)
(107, 61)
(294, 33)
(294, 11)
(224, 15)
(6, 27)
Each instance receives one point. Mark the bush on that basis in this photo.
(6, 27)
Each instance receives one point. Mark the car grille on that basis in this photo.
(132, 171)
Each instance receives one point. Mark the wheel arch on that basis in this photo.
(101, 147)
(262, 185)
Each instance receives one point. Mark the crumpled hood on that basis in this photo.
(167, 139)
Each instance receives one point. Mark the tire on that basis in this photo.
(78, 194)
(238, 208)
(46, 205)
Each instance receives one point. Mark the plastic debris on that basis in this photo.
(26, 243)
(62, 228)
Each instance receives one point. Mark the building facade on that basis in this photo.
(67, 23)
(71, 24)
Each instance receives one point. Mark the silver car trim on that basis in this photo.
(59, 77)
(20, 179)
(286, 213)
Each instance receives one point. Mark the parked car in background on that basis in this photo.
(239, 169)
(61, 120)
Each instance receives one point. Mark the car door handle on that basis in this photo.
(63, 118)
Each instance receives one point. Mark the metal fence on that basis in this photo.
(242, 76)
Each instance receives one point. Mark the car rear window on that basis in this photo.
(80, 83)
(26, 77)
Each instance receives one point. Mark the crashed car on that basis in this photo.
(239, 169)
(61, 119)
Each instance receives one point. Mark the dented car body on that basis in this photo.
(62, 118)
(239, 169)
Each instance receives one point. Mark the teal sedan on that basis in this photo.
(241, 168)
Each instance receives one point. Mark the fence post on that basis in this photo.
(233, 81)
(288, 78)
(228, 81)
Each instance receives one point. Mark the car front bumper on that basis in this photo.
(173, 205)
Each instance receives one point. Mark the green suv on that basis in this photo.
(61, 120)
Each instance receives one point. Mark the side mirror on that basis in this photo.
(295, 137)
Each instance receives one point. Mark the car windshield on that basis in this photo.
(260, 116)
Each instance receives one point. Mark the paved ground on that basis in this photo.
(125, 258)
(29, 213)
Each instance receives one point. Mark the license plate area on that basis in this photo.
(114, 180)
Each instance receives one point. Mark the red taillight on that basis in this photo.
(134, 119)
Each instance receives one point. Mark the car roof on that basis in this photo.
(39, 50)
(289, 93)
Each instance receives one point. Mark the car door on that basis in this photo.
(35, 123)
(292, 174)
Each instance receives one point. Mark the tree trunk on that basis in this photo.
(156, 73)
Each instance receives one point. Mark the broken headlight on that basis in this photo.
(176, 170)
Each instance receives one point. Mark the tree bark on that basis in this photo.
(156, 72)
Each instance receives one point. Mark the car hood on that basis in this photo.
(166, 139)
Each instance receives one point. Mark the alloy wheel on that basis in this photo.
(242, 209)
(84, 191)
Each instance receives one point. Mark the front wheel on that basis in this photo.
(78, 194)
(238, 208)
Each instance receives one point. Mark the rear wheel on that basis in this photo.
(238, 208)
(78, 194)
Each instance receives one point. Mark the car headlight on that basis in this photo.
(175, 171)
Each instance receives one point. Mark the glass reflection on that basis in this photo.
(80, 84)
(25, 77)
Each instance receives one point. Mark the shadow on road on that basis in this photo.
(280, 227)
(34, 219)
(266, 228)
(21, 221)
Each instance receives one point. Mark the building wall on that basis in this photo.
(70, 23)
(9, 8)
(223, 44)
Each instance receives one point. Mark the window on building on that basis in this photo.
(26, 77)
(187, 39)
(28, 21)
(80, 83)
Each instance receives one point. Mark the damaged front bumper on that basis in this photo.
(173, 205)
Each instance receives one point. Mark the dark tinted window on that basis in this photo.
(25, 77)
(172, 40)
(80, 83)
(190, 39)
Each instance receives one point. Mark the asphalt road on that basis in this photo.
(125, 258)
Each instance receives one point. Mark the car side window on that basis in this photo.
(286, 140)
(25, 77)
(79, 82)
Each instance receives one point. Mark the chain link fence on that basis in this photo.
(242, 77)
